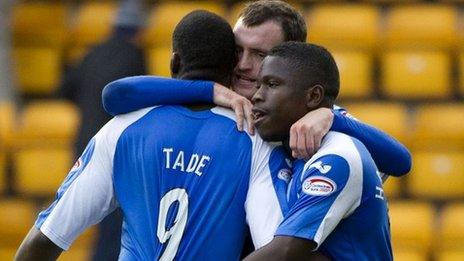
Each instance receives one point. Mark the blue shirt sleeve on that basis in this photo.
(134, 93)
(383, 148)
(325, 197)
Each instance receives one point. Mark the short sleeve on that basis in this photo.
(327, 194)
(85, 197)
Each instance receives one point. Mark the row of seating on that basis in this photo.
(417, 228)
(354, 25)
(407, 74)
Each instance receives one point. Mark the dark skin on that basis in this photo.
(281, 100)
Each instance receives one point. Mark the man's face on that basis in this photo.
(280, 100)
(253, 43)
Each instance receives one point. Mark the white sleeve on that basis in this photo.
(266, 199)
(86, 196)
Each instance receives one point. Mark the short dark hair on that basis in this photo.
(292, 22)
(315, 63)
(205, 43)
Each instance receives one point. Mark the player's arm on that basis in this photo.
(134, 93)
(37, 246)
(307, 133)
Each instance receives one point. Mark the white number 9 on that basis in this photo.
(174, 234)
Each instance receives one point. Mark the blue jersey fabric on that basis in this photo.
(337, 200)
(137, 92)
(188, 184)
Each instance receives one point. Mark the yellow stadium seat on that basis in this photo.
(452, 228)
(40, 171)
(409, 255)
(7, 124)
(94, 22)
(39, 24)
(2, 172)
(450, 255)
(416, 74)
(437, 175)
(75, 54)
(392, 187)
(412, 225)
(166, 15)
(439, 126)
(159, 60)
(16, 219)
(389, 117)
(38, 70)
(7, 253)
(421, 26)
(461, 72)
(344, 26)
(355, 73)
(47, 123)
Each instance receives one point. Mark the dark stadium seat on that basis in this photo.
(16, 218)
(166, 15)
(159, 61)
(356, 70)
(412, 225)
(416, 74)
(388, 116)
(437, 175)
(38, 69)
(439, 126)
(344, 25)
(421, 25)
(40, 24)
(452, 228)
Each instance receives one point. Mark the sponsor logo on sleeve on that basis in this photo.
(323, 168)
(318, 186)
(285, 175)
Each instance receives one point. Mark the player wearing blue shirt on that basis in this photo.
(335, 201)
(188, 182)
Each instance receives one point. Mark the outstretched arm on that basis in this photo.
(36, 246)
(134, 93)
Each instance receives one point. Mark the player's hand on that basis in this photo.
(306, 134)
(242, 106)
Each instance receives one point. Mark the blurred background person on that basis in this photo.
(119, 56)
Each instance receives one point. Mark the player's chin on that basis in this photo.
(267, 132)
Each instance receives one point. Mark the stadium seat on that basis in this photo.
(437, 175)
(93, 22)
(16, 218)
(2, 172)
(76, 253)
(159, 61)
(412, 225)
(344, 25)
(39, 24)
(47, 123)
(38, 70)
(166, 15)
(7, 124)
(452, 228)
(450, 255)
(409, 255)
(439, 126)
(416, 74)
(355, 73)
(389, 117)
(7, 253)
(421, 25)
(392, 187)
(461, 72)
(40, 171)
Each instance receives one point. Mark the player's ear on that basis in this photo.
(175, 64)
(314, 96)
